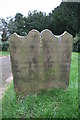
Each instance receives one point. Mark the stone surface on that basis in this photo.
(40, 60)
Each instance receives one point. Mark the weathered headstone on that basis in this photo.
(40, 60)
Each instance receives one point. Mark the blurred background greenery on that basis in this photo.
(63, 18)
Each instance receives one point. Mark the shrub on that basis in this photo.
(4, 46)
(76, 43)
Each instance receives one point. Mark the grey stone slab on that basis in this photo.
(40, 60)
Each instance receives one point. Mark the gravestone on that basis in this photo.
(40, 60)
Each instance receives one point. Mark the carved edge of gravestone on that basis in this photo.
(67, 49)
(65, 54)
(13, 47)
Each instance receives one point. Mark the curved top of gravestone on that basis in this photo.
(34, 31)
(47, 30)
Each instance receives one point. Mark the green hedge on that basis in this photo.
(76, 43)
(4, 46)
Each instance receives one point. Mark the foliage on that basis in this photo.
(4, 46)
(37, 20)
(4, 37)
(4, 29)
(64, 17)
(17, 24)
(51, 103)
(22, 25)
(76, 43)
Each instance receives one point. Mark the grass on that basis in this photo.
(4, 53)
(51, 103)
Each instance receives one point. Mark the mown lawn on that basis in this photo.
(52, 103)
(4, 53)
